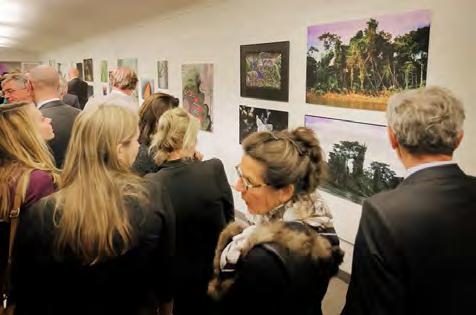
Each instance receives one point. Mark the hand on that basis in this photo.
(198, 156)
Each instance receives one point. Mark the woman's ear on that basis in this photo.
(286, 193)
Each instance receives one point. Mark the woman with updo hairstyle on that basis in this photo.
(151, 111)
(103, 243)
(282, 263)
(203, 205)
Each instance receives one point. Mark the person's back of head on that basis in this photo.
(45, 82)
(289, 157)
(176, 132)
(151, 111)
(123, 79)
(96, 179)
(21, 148)
(427, 121)
(73, 73)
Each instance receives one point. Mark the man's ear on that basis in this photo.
(392, 138)
(459, 139)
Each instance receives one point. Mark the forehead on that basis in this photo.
(11, 84)
(252, 169)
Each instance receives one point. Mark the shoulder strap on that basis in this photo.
(14, 220)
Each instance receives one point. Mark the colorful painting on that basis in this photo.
(104, 73)
(265, 71)
(90, 91)
(88, 70)
(254, 119)
(197, 89)
(129, 63)
(27, 66)
(9, 66)
(163, 74)
(59, 68)
(359, 156)
(147, 88)
(359, 64)
(79, 66)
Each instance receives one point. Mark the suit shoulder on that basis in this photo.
(214, 162)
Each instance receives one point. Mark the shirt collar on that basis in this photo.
(419, 167)
(39, 104)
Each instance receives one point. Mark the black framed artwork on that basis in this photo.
(264, 71)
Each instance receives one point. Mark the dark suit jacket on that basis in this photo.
(71, 99)
(203, 205)
(415, 250)
(79, 88)
(62, 119)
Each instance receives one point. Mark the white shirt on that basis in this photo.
(117, 98)
(38, 105)
(419, 167)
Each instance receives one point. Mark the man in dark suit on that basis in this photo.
(45, 86)
(69, 99)
(78, 87)
(415, 249)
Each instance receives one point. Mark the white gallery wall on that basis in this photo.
(10, 54)
(214, 31)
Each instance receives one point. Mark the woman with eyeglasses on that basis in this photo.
(283, 263)
(203, 204)
(103, 243)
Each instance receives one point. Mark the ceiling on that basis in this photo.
(39, 25)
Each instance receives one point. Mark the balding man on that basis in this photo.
(45, 85)
(16, 88)
(415, 249)
(124, 82)
(77, 87)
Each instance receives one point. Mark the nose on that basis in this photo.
(239, 186)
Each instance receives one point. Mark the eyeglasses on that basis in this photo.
(10, 91)
(246, 184)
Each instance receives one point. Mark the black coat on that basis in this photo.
(62, 119)
(415, 251)
(282, 270)
(79, 88)
(49, 283)
(72, 100)
(203, 204)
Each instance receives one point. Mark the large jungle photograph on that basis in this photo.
(360, 64)
(360, 159)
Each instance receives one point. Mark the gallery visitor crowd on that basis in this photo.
(107, 207)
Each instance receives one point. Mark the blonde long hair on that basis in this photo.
(177, 130)
(22, 149)
(90, 209)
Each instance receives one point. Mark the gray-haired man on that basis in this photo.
(415, 249)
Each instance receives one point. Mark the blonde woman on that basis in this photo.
(203, 204)
(101, 244)
(26, 166)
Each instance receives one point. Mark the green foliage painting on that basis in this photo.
(359, 64)
(263, 70)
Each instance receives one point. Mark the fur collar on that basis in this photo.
(305, 242)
